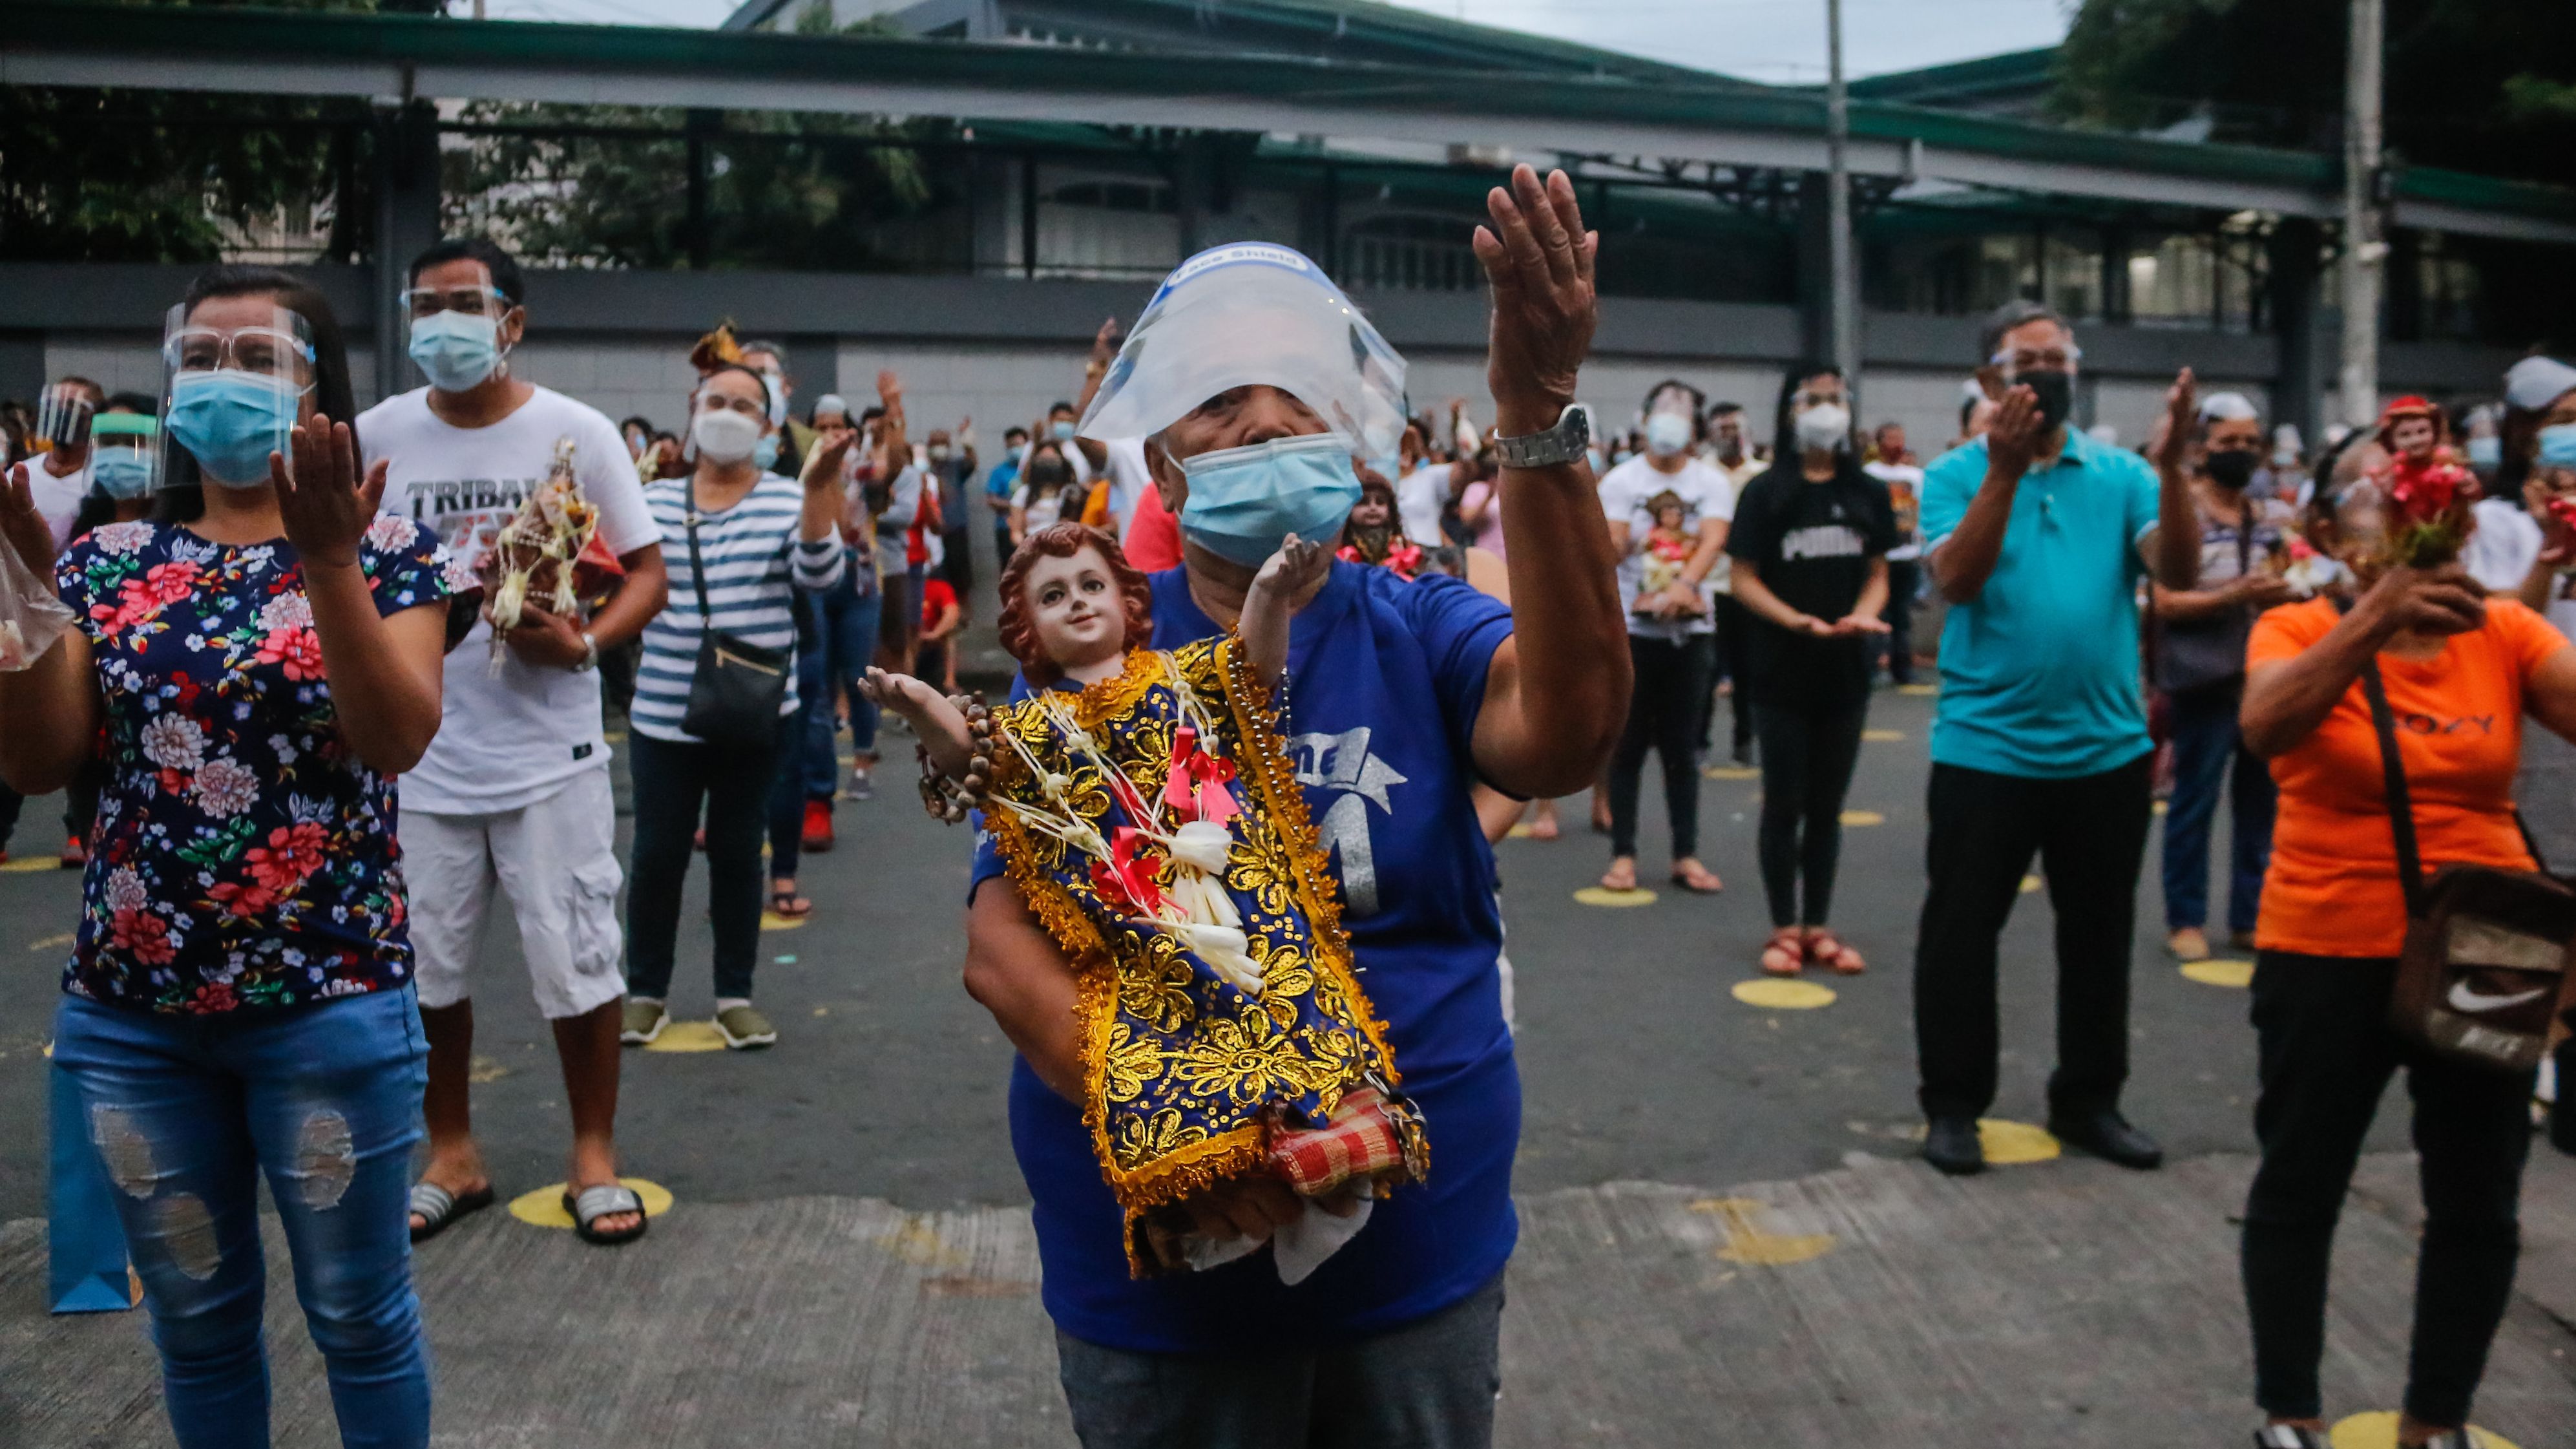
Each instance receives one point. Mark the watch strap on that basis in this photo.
(1566, 442)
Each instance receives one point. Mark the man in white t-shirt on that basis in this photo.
(59, 476)
(1670, 604)
(513, 794)
(1894, 464)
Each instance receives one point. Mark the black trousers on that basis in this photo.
(2327, 1055)
(2090, 834)
(1734, 662)
(672, 782)
(1903, 574)
(1807, 759)
(1663, 715)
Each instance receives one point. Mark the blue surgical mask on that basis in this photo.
(456, 350)
(765, 452)
(230, 421)
(2558, 446)
(1244, 502)
(1063, 433)
(121, 474)
(2486, 452)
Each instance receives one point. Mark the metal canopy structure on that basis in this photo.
(397, 59)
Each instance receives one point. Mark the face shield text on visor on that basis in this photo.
(1254, 313)
(234, 374)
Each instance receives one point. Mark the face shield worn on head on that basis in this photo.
(63, 415)
(454, 334)
(122, 448)
(234, 374)
(1254, 313)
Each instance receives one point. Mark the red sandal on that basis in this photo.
(1828, 951)
(1784, 953)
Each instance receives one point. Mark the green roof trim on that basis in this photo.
(1933, 84)
(184, 35)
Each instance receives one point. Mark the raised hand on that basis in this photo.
(1538, 259)
(22, 527)
(823, 462)
(2181, 421)
(1104, 343)
(2012, 440)
(324, 504)
(1298, 564)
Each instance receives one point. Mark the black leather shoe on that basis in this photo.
(2107, 1135)
(1950, 1144)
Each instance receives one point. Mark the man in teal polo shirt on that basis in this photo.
(2037, 535)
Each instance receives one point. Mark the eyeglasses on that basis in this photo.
(748, 407)
(2052, 360)
(268, 350)
(422, 302)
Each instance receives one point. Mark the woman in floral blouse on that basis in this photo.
(264, 657)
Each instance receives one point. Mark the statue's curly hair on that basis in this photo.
(1064, 540)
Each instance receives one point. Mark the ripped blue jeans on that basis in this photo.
(324, 1100)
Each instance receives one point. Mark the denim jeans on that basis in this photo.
(848, 622)
(2208, 753)
(324, 1100)
(674, 782)
(1429, 1384)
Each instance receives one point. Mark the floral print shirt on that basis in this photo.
(242, 857)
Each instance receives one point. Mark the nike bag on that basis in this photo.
(85, 1245)
(2483, 976)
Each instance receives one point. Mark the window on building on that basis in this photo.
(1413, 253)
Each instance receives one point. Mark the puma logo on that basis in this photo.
(2467, 998)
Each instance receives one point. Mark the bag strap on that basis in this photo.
(2401, 807)
(697, 565)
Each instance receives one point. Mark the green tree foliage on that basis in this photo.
(2476, 85)
(153, 176)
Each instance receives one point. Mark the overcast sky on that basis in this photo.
(1767, 40)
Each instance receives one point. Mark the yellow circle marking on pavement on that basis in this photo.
(772, 921)
(2220, 971)
(1604, 896)
(615, 737)
(1919, 691)
(485, 1069)
(544, 1208)
(1882, 736)
(1863, 817)
(1748, 1242)
(2160, 807)
(2030, 883)
(2378, 1430)
(52, 943)
(1778, 994)
(687, 1036)
(1522, 831)
(2011, 1144)
(1732, 772)
(30, 864)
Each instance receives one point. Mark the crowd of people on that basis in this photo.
(314, 708)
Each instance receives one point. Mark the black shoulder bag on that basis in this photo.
(2484, 972)
(738, 687)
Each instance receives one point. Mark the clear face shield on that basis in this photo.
(63, 414)
(234, 375)
(1254, 313)
(123, 448)
(453, 334)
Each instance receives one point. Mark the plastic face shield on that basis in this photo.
(235, 371)
(1254, 313)
(63, 415)
(422, 303)
(124, 449)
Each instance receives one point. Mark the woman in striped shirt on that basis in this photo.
(760, 537)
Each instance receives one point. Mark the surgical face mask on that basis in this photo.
(1596, 458)
(939, 452)
(765, 452)
(2230, 468)
(230, 421)
(2486, 452)
(1062, 431)
(1245, 501)
(121, 472)
(1667, 434)
(1823, 426)
(2558, 446)
(2056, 394)
(456, 350)
(725, 436)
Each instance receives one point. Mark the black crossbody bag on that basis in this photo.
(738, 688)
(2483, 976)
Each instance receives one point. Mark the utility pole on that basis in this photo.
(1845, 307)
(2365, 248)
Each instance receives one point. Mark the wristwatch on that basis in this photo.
(589, 653)
(1564, 443)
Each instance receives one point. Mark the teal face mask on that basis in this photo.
(1245, 501)
(122, 474)
(2486, 452)
(1061, 431)
(230, 421)
(2558, 446)
(456, 350)
(765, 452)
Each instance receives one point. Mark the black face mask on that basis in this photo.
(2056, 394)
(2230, 468)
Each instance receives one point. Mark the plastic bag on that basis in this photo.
(31, 616)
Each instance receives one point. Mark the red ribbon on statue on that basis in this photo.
(1127, 876)
(1196, 787)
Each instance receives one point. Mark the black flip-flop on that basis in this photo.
(780, 903)
(599, 1200)
(439, 1208)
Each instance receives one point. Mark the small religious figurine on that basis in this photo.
(1668, 544)
(1142, 802)
(549, 556)
(2429, 490)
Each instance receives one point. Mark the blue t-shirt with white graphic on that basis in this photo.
(1385, 680)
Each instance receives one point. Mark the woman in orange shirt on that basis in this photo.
(2461, 670)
